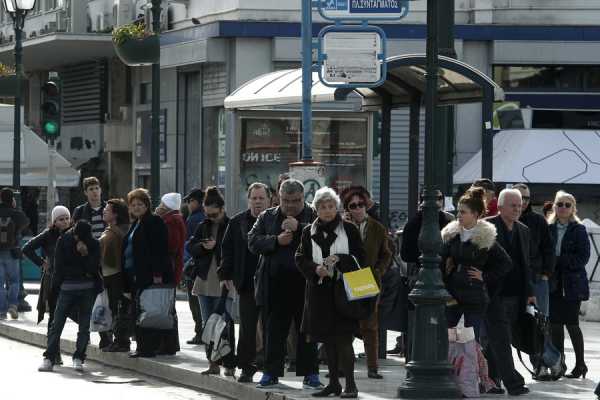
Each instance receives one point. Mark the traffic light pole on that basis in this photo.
(51, 194)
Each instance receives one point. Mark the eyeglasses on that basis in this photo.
(354, 206)
(560, 204)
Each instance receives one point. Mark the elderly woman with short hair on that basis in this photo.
(329, 246)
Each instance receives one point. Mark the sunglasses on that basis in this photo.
(439, 198)
(526, 198)
(354, 206)
(213, 215)
(560, 204)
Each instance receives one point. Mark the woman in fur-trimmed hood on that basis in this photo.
(473, 263)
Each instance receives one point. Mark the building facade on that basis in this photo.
(543, 52)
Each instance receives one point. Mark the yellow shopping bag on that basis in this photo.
(360, 284)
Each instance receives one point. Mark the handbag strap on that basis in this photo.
(221, 305)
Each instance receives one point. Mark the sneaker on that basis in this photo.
(312, 382)
(268, 382)
(24, 306)
(229, 372)
(46, 366)
(542, 374)
(78, 365)
(12, 311)
(195, 340)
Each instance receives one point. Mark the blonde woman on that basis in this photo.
(569, 284)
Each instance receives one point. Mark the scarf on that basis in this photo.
(328, 238)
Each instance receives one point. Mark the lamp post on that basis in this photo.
(18, 9)
(155, 142)
(428, 374)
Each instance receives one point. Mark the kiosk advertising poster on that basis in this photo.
(269, 144)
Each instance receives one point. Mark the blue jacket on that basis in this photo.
(570, 277)
(191, 223)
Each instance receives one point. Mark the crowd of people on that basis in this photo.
(281, 262)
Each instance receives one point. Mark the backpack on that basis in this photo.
(8, 233)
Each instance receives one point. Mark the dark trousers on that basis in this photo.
(194, 308)
(277, 323)
(156, 341)
(340, 357)
(501, 314)
(69, 301)
(369, 329)
(246, 357)
(119, 307)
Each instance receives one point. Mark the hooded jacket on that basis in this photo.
(177, 235)
(481, 251)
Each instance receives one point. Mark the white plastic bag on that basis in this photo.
(101, 318)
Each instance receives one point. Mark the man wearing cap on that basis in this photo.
(196, 216)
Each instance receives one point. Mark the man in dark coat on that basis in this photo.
(237, 269)
(280, 289)
(409, 249)
(517, 291)
(195, 217)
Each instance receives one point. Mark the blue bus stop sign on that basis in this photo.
(352, 10)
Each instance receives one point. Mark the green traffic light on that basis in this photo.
(50, 128)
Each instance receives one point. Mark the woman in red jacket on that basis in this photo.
(168, 210)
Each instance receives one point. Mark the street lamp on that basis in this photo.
(428, 374)
(18, 9)
(155, 141)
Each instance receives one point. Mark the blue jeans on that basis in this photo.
(9, 276)
(208, 305)
(541, 290)
(80, 302)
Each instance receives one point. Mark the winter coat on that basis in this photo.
(150, 253)
(111, 249)
(320, 319)
(204, 231)
(481, 251)
(177, 234)
(378, 254)
(262, 240)
(570, 278)
(409, 251)
(525, 256)
(191, 223)
(543, 258)
(71, 266)
(234, 253)
(46, 241)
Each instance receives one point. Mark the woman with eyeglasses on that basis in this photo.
(205, 247)
(569, 285)
(378, 257)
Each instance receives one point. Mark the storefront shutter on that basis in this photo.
(84, 92)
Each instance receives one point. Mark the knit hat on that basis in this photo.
(172, 201)
(59, 211)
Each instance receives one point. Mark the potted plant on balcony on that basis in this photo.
(135, 46)
(8, 81)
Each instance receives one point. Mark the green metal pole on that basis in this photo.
(19, 20)
(155, 142)
(428, 374)
(445, 115)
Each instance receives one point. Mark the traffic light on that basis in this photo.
(51, 109)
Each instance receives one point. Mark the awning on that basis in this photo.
(405, 78)
(540, 156)
(34, 156)
(58, 49)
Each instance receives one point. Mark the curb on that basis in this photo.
(218, 385)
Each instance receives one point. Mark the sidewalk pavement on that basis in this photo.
(184, 368)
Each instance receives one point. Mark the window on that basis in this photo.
(549, 78)
(269, 143)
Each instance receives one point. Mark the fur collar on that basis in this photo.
(483, 237)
